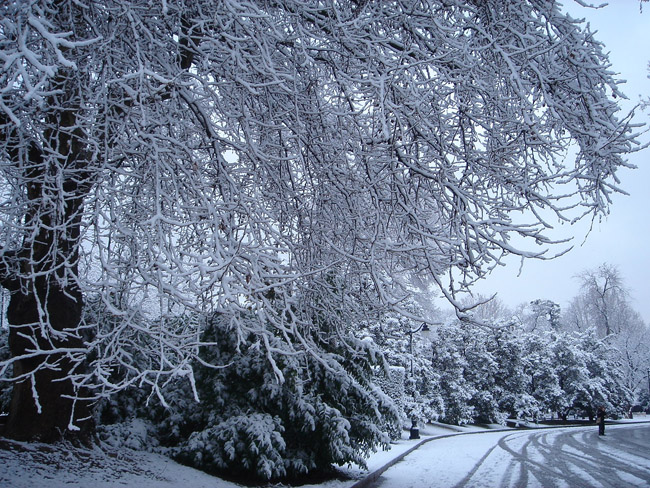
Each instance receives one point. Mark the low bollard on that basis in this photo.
(415, 432)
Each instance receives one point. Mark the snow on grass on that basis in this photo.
(31, 465)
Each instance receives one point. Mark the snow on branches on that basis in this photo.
(299, 160)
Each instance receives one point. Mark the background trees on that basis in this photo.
(488, 375)
(411, 378)
(604, 305)
(297, 163)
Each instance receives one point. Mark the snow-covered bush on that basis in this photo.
(134, 433)
(279, 412)
(250, 443)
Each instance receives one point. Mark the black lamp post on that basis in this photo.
(414, 432)
(425, 329)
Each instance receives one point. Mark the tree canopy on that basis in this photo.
(300, 160)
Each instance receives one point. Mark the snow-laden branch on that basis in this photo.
(293, 163)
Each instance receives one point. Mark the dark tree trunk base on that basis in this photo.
(52, 424)
(57, 415)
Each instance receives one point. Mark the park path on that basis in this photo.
(569, 457)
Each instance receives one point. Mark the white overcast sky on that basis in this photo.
(623, 238)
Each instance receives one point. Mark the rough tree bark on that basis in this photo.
(54, 413)
(45, 303)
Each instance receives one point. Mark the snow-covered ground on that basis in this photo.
(31, 465)
(464, 460)
(560, 457)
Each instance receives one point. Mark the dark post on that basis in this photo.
(415, 432)
(410, 333)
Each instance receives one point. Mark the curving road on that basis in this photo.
(567, 457)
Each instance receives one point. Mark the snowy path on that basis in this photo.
(574, 457)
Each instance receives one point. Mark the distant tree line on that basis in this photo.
(529, 364)
(476, 374)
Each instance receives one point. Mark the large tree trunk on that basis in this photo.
(43, 406)
(46, 305)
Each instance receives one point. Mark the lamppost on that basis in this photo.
(424, 328)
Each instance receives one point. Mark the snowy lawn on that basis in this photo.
(31, 465)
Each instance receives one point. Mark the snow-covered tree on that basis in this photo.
(542, 315)
(634, 352)
(603, 299)
(604, 304)
(488, 374)
(513, 379)
(175, 156)
(590, 375)
(408, 352)
(450, 362)
(608, 382)
(487, 309)
(542, 371)
(482, 372)
(496, 372)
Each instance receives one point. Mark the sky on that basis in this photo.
(622, 238)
